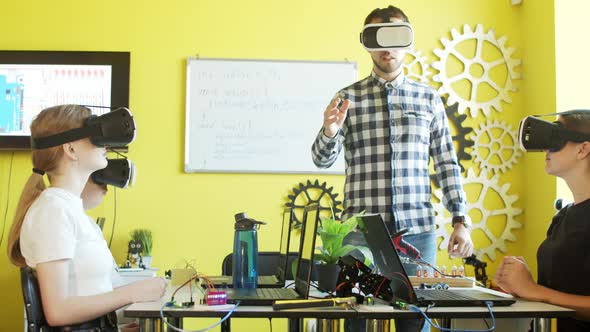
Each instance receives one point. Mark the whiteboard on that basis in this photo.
(259, 116)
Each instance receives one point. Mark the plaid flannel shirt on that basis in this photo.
(389, 134)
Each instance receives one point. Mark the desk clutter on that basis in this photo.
(353, 279)
(128, 276)
(357, 284)
(353, 274)
(139, 250)
(448, 281)
(344, 302)
(427, 277)
(179, 276)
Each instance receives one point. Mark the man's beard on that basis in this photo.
(388, 69)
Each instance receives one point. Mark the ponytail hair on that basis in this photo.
(31, 191)
(50, 121)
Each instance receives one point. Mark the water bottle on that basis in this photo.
(245, 256)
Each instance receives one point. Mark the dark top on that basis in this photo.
(564, 258)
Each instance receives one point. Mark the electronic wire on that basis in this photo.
(422, 262)
(489, 305)
(210, 284)
(398, 276)
(201, 330)
(114, 217)
(119, 154)
(115, 196)
(7, 197)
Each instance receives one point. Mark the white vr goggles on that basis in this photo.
(119, 173)
(387, 36)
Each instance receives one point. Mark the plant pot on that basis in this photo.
(327, 276)
(147, 262)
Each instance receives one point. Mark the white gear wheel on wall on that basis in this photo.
(418, 61)
(495, 146)
(508, 210)
(450, 48)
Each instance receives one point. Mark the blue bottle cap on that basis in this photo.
(244, 223)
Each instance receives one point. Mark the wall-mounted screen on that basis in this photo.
(33, 80)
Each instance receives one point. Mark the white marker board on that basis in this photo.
(259, 116)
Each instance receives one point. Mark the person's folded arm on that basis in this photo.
(61, 309)
(513, 276)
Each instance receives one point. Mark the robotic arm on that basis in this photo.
(404, 247)
(479, 267)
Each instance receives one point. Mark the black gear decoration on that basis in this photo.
(461, 137)
(313, 193)
(463, 142)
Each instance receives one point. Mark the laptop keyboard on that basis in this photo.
(264, 293)
(268, 280)
(440, 294)
(271, 292)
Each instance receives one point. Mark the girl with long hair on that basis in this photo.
(52, 234)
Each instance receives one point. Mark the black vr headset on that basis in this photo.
(119, 173)
(535, 134)
(387, 36)
(113, 129)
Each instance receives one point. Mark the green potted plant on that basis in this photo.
(332, 233)
(145, 237)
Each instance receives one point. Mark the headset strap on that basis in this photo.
(570, 112)
(575, 136)
(65, 137)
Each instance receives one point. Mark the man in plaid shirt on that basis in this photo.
(389, 127)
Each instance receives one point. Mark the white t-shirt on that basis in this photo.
(56, 227)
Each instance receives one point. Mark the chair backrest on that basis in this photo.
(267, 263)
(32, 299)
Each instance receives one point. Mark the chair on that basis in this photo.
(267, 263)
(32, 299)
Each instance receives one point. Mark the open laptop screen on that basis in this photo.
(285, 231)
(309, 230)
(386, 259)
(284, 246)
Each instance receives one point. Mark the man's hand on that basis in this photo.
(460, 244)
(334, 116)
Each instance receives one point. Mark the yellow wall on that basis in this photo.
(191, 214)
(571, 55)
(571, 59)
(538, 31)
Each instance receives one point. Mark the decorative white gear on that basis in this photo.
(450, 48)
(420, 61)
(496, 146)
(508, 210)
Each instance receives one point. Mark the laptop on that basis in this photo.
(268, 281)
(266, 296)
(387, 260)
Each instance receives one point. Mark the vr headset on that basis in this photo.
(387, 36)
(119, 173)
(113, 129)
(536, 134)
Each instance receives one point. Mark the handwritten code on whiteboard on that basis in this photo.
(258, 116)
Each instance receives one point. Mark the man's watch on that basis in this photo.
(459, 220)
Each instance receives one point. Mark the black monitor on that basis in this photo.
(31, 81)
